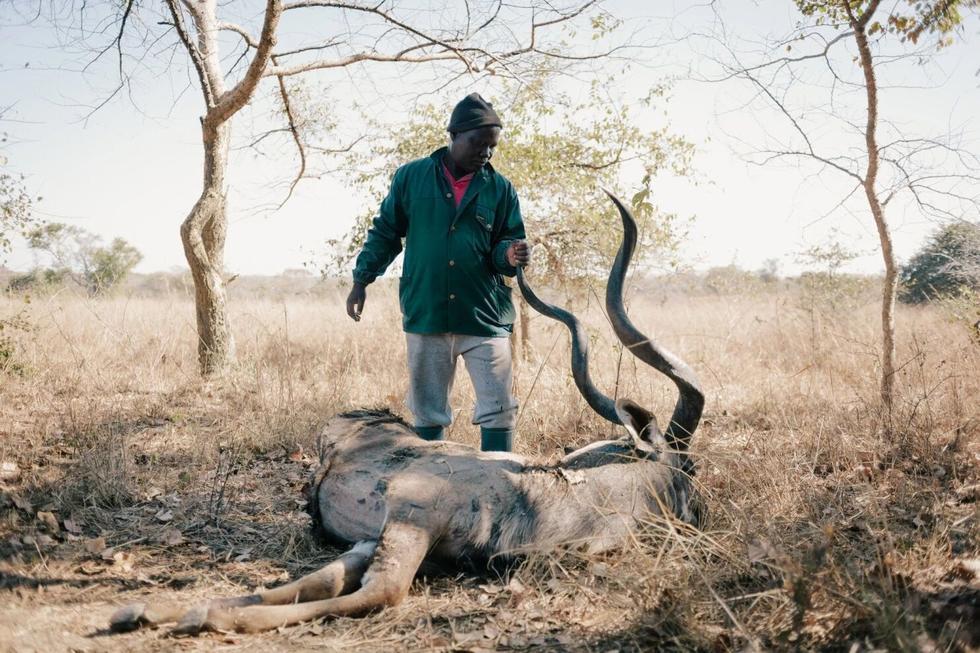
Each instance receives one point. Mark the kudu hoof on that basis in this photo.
(193, 622)
(129, 617)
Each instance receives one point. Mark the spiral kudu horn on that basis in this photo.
(690, 402)
(599, 402)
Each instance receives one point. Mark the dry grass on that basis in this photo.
(822, 534)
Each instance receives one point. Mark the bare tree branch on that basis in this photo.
(115, 42)
(288, 71)
(387, 17)
(440, 49)
(233, 100)
(192, 52)
(291, 120)
(810, 152)
(237, 29)
(261, 137)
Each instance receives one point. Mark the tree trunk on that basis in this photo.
(203, 236)
(203, 232)
(884, 235)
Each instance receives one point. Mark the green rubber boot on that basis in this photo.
(431, 432)
(492, 439)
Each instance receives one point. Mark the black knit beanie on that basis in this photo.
(473, 112)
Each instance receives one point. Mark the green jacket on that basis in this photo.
(454, 257)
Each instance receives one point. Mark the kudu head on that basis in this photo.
(644, 441)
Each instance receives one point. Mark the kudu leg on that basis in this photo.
(387, 580)
(341, 576)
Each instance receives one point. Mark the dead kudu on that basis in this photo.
(400, 499)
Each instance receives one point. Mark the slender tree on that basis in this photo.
(939, 175)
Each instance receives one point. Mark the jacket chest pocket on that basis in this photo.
(483, 221)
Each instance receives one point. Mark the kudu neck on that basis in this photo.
(595, 506)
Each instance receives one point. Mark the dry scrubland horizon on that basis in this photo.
(820, 535)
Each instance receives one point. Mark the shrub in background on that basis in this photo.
(948, 265)
(80, 255)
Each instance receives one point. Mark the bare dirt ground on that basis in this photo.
(831, 527)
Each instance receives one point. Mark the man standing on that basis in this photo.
(463, 232)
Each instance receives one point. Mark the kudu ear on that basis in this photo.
(641, 424)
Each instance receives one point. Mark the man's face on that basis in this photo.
(472, 149)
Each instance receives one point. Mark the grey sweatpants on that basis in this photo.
(432, 367)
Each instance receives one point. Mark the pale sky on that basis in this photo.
(135, 172)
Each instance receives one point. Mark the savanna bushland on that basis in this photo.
(125, 475)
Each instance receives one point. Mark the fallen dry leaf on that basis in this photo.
(91, 568)
(72, 526)
(9, 471)
(518, 592)
(95, 546)
(760, 550)
(599, 569)
(49, 520)
(164, 515)
(864, 471)
(172, 537)
(22, 503)
(123, 561)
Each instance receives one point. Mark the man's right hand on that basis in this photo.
(355, 301)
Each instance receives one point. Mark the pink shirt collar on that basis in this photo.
(459, 186)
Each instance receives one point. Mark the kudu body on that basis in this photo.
(400, 499)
